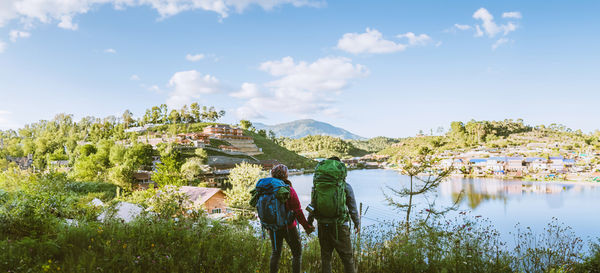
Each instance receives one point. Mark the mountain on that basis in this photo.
(305, 127)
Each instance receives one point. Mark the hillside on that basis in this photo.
(305, 127)
(272, 150)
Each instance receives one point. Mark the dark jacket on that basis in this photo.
(350, 203)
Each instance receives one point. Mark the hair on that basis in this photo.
(335, 158)
(280, 171)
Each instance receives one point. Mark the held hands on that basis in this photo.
(309, 229)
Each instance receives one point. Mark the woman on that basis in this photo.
(290, 233)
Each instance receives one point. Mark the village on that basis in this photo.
(535, 161)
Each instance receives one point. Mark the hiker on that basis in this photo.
(290, 210)
(333, 204)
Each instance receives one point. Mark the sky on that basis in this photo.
(387, 68)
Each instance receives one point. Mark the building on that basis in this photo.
(235, 136)
(24, 162)
(198, 140)
(211, 199)
(223, 131)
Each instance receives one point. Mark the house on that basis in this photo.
(212, 199)
(198, 140)
(514, 164)
(142, 179)
(557, 163)
(24, 162)
(223, 131)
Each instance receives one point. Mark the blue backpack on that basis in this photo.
(271, 210)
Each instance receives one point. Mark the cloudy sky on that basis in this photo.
(373, 67)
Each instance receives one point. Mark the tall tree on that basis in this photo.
(127, 118)
(424, 179)
(195, 112)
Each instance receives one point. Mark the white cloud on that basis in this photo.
(135, 77)
(416, 40)
(190, 85)
(301, 88)
(16, 34)
(66, 22)
(500, 42)
(369, 42)
(462, 27)
(489, 26)
(195, 57)
(110, 50)
(248, 90)
(512, 14)
(2, 46)
(62, 12)
(248, 112)
(372, 41)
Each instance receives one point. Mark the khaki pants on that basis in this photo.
(341, 243)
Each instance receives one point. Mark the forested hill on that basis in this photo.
(305, 127)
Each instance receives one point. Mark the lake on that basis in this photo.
(504, 202)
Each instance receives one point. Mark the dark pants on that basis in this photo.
(341, 243)
(291, 236)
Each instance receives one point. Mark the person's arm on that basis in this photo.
(351, 204)
(311, 216)
(293, 204)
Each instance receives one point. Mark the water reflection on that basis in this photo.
(477, 191)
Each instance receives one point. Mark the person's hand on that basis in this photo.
(310, 229)
(357, 229)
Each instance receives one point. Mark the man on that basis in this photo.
(333, 234)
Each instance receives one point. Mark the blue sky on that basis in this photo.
(373, 67)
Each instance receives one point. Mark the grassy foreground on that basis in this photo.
(35, 237)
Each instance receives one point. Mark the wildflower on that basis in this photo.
(152, 245)
(124, 246)
(92, 240)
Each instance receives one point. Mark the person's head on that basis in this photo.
(335, 158)
(280, 171)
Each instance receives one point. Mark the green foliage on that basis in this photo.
(168, 172)
(272, 150)
(245, 124)
(242, 179)
(193, 168)
(319, 146)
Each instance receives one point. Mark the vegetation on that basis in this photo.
(424, 179)
(242, 179)
(272, 150)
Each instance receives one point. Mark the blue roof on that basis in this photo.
(531, 159)
(569, 160)
(477, 160)
(556, 157)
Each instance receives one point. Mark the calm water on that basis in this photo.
(505, 203)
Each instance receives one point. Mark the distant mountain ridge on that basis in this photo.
(305, 127)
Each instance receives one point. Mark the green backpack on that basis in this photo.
(329, 192)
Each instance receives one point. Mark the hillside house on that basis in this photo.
(212, 199)
(198, 140)
(24, 162)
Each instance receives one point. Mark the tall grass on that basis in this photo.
(35, 237)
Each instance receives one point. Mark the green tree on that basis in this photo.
(168, 172)
(195, 112)
(174, 117)
(245, 124)
(127, 118)
(242, 179)
(193, 168)
(425, 177)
